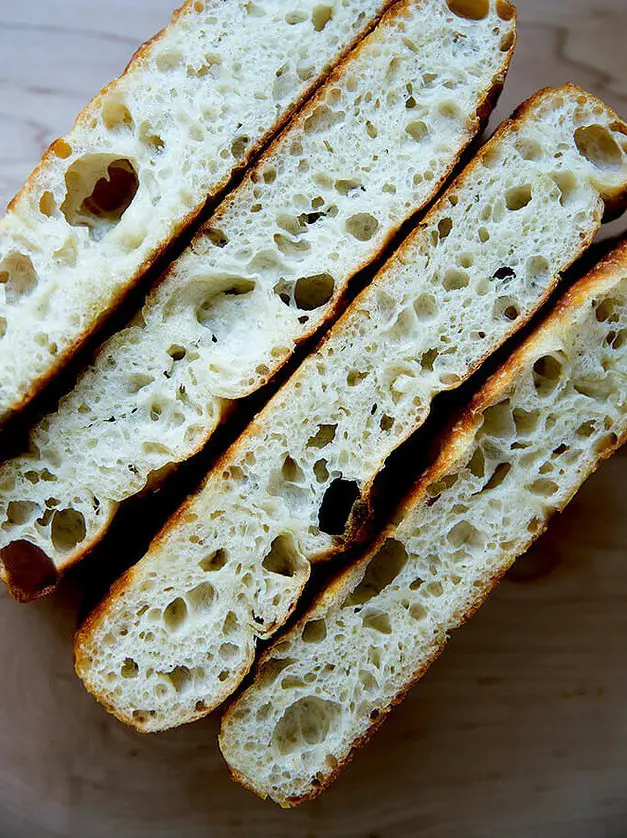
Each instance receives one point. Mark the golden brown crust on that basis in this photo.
(64, 357)
(454, 445)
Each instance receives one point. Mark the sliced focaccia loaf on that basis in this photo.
(178, 632)
(143, 158)
(530, 438)
(369, 150)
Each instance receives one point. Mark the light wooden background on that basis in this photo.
(519, 731)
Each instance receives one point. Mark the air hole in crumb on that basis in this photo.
(306, 723)
(291, 472)
(449, 110)
(418, 612)
(337, 505)
(321, 471)
(311, 292)
(217, 237)
(470, 9)
(586, 429)
(382, 570)
(444, 227)
(379, 621)
(282, 558)
(354, 377)
(154, 142)
(239, 146)
(320, 16)
(324, 435)
(506, 307)
(417, 130)
(228, 651)
(596, 144)
(505, 273)
(547, 372)
(67, 529)
(167, 61)
(294, 18)
(507, 41)
(176, 352)
(21, 511)
(175, 615)
(505, 10)
(362, 226)
(526, 421)
(543, 487)
(214, 561)
(315, 631)
(201, 598)
(129, 668)
(454, 280)
(224, 294)
(115, 114)
(47, 204)
(425, 306)
(464, 534)
(607, 310)
(518, 197)
(18, 276)
(180, 677)
(567, 183)
(100, 189)
(428, 359)
(344, 187)
(498, 476)
(476, 465)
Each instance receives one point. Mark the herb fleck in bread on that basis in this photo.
(229, 567)
(268, 270)
(143, 158)
(537, 429)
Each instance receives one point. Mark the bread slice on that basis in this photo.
(270, 269)
(530, 438)
(193, 106)
(178, 632)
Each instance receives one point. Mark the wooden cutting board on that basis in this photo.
(519, 731)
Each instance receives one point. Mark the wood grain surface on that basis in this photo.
(519, 731)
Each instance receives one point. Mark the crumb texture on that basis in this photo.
(286, 494)
(268, 270)
(540, 428)
(144, 156)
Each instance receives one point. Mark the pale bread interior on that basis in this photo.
(541, 428)
(369, 151)
(179, 632)
(143, 157)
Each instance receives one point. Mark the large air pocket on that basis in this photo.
(100, 188)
